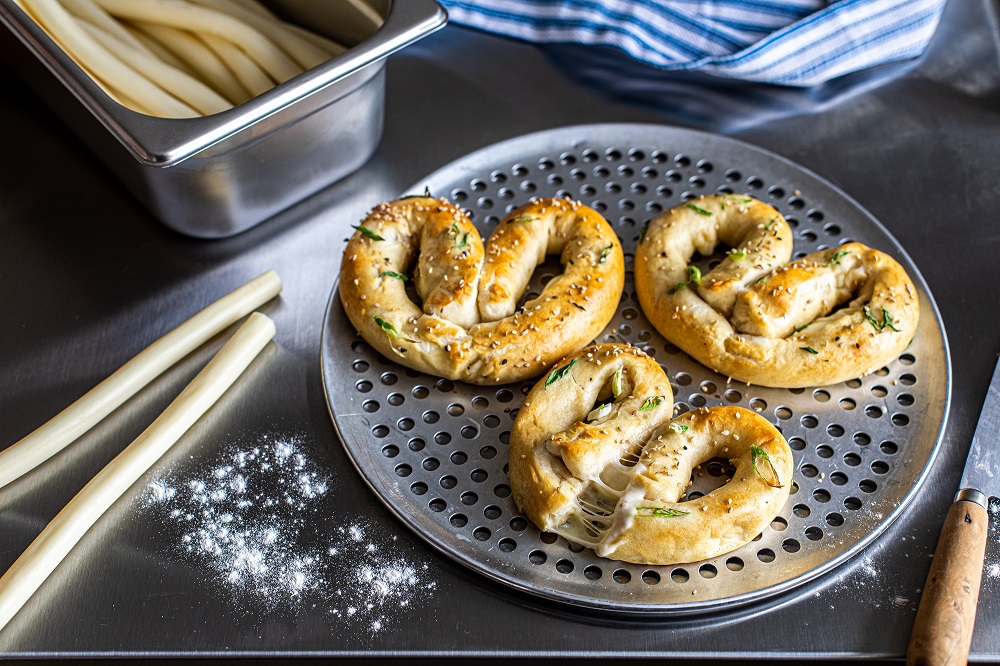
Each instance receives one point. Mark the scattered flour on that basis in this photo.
(246, 517)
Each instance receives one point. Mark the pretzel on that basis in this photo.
(831, 316)
(612, 480)
(469, 326)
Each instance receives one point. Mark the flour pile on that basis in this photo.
(251, 518)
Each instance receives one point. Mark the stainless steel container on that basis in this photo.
(219, 175)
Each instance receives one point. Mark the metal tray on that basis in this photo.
(218, 175)
(435, 451)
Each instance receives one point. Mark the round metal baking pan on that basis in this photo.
(435, 451)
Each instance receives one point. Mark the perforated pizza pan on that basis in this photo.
(435, 451)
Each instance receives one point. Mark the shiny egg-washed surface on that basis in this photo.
(435, 451)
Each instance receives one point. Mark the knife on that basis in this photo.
(942, 631)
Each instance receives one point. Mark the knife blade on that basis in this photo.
(982, 469)
(942, 631)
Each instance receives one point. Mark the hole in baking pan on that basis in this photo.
(814, 533)
(622, 576)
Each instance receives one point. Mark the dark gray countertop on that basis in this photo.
(88, 278)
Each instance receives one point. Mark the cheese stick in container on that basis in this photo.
(147, 365)
(184, 58)
(68, 527)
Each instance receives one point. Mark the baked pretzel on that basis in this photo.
(611, 478)
(831, 316)
(470, 327)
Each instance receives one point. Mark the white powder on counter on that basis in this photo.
(250, 518)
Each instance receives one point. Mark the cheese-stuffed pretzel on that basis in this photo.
(470, 327)
(831, 316)
(611, 478)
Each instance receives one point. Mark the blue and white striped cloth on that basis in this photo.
(787, 42)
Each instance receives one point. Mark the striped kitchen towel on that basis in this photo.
(786, 42)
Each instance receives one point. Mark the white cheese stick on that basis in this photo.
(198, 57)
(129, 379)
(246, 71)
(160, 51)
(86, 10)
(189, 90)
(68, 527)
(204, 21)
(105, 66)
(305, 53)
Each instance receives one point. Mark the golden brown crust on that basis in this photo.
(776, 324)
(468, 328)
(615, 483)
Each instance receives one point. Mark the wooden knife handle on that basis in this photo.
(942, 632)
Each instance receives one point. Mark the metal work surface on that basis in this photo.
(436, 451)
(90, 278)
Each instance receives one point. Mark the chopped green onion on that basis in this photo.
(700, 211)
(678, 428)
(463, 241)
(835, 259)
(757, 452)
(809, 349)
(616, 382)
(660, 512)
(887, 320)
(578, 306)
(367, 232)
(604, 254)
(694, 277)
(559, 373)
(599, 412)
(651, 402)
(737, 254)
(763, 279)
(523, 219)
(768, 225)
(387, 326)
(393, 274)
(802, 328)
